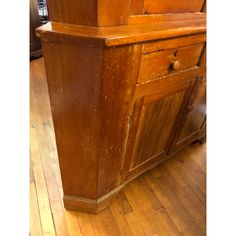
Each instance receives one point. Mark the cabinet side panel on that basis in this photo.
(74, 87)
(120, 67)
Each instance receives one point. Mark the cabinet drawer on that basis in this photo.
(171, 56)
(173, 60)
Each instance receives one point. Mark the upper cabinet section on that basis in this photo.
(155, 11)
(89, 12)
(172, 6)
(119, 12)
(140, 7)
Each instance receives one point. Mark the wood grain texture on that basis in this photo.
(89, 12)
(117, 12)
(74, 103)
(155, 128)
(157, 64)
(171, 196)
(152, 12)
(136, 7)
(193, 121)
(112, 12)
(118, 35)
(158, 107)
(119, 94)
(171, 6)
(118, 84)
(198, 112)
(168, 6)
(73, 12)
(159, 45)
(90, 140)
(167, 17)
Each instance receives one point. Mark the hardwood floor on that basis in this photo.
(170, 199)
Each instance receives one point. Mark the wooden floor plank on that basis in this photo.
(134, 224)
(39, 116)
(167, 200)
(201, 160)
(72, 223)
(157, 212)
(176, 205)
(98, 228)
(186, 197)
(108, 223)
(35, 223)
(41, 187)
(142, 210)
(191, 180)
(85, 224)
(43, 200)
(119, 217)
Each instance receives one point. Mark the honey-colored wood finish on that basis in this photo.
(90, 137)
(168, 6)
(152, 11)
(193, 124)
(89, 12)
(117, 12)
(168, 200)
(118, 35)
(168, 17)
(172, 6)
(161, 63)
(156, 111)
(121, 91)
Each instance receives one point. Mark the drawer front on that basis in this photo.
(164, 62)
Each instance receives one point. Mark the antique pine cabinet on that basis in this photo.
(127, 88)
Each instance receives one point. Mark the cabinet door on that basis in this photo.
(154, 119)
(193, 123)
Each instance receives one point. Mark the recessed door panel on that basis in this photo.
(193, 121)
(196, 113)
(156, 122)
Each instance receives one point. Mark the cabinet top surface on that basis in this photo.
(119, 35)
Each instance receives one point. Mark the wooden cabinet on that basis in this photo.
(171, 56)
(192, 124)
(172, 6)
(153, 120)
(127, 88)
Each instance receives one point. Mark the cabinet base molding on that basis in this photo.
(93, 206)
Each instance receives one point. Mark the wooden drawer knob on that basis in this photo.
(175, 65)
